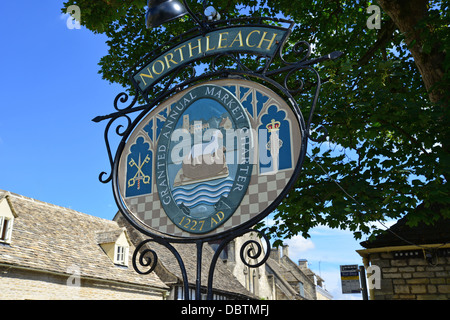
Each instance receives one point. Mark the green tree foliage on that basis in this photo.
(384, 103)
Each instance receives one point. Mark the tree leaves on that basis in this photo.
(386, 154)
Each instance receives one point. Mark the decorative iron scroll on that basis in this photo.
(244, 48)
(146, 257)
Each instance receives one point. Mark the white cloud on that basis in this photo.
(325, 251)
(299, 245)
(327, 231)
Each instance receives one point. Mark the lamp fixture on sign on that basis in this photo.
(162, 11)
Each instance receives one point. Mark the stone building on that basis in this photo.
(409, 263)
(225, 285)
(279, 278)
(49, 252)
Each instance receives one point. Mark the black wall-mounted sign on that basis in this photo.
(159, 183)
(209, 156)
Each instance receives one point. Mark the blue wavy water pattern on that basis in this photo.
(205, 193)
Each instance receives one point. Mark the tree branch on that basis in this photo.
(407, 14)
(384, 36)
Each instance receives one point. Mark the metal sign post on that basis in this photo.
(362, 276)
(208, 156)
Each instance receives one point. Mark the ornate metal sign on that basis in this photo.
(199, 189)
(208, 156)
(216, 151)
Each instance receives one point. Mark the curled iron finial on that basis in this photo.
(147, 258)
(120, 131)
(253, 250)
(247, 249)
(122, 98)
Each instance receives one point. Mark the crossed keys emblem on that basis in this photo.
(139, 174)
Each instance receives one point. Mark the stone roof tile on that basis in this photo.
(51, 238)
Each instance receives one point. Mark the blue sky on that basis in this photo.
(50, 90)
(50, 149)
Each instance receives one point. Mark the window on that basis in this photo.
(121, 255)
(7, 215)
(254, 282)
(224, 253)
(5, 229)
(251, 280)
(115, 244)
(179, 294)
(301, 289)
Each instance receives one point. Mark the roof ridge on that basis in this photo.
(50, 205)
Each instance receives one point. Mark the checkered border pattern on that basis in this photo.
(261, 192)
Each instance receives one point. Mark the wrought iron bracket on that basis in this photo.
(146, 257)
(274, 70)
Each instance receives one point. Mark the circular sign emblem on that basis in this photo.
(214, 157)
(201, 180)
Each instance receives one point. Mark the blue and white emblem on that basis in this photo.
(201, 179)
(210, 158)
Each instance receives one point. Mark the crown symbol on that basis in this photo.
(273, 125)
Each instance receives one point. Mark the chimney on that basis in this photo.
(285, 251)
(275, 254)
(303, 263)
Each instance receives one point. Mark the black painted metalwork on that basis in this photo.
(273, 71)
(243, 253)
(161, 11)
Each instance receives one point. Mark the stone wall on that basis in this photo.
(22, 284)
(303, 275)
(411, 278)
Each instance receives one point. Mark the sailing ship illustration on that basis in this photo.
(205, 161)
(203, 178)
